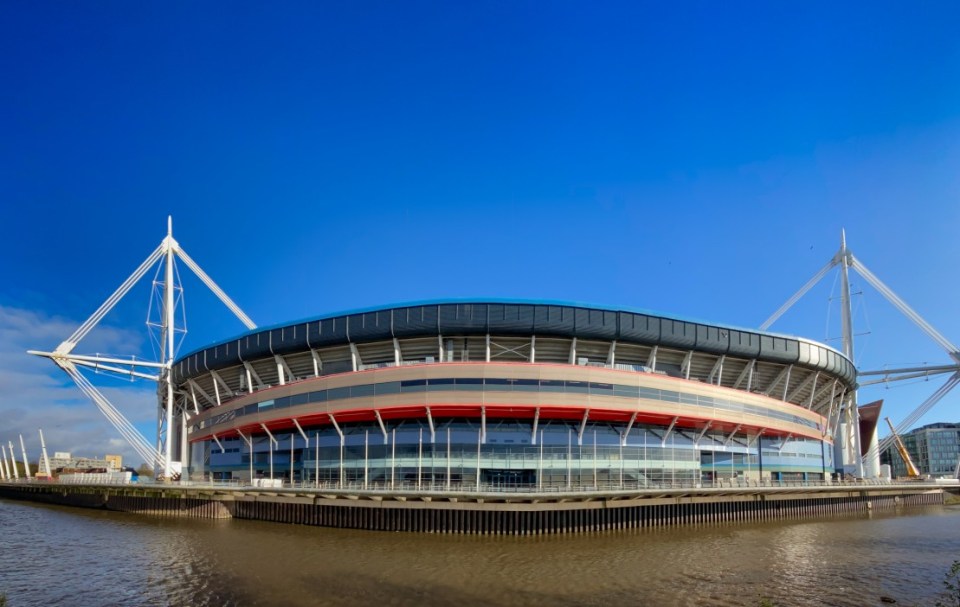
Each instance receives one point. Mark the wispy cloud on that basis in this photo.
(37, 394)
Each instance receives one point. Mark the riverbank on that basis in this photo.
(484, 513)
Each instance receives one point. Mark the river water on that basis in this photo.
(53, 555)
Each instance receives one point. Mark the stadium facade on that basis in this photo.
(535, 395)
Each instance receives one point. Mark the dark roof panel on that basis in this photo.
(451, 318)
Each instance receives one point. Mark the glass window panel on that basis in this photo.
(387, 387)
(413, 385)
(469, 383)
(601, 389)
(338, 393)
(631, 391)
(362, 390)
(552, 385)
(526, 385)
(440, 384)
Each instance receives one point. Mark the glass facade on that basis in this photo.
(935, 450)
(463, 455)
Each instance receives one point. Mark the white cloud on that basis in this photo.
(37, 394)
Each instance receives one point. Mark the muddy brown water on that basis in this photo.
(53, 555)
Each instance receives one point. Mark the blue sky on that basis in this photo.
(698, 159)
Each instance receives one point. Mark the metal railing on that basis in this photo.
(430, 487)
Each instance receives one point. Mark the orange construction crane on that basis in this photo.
(912, 471)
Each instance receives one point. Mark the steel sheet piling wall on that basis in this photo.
(471, 517)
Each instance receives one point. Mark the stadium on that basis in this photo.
(509, 394)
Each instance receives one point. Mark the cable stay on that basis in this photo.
(160, 371)
(846, 260)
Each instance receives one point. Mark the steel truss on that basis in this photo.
(163, 257)
(846, 260)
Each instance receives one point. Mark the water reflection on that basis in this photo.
(54, 556)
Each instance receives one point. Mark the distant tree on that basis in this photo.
(145, 470)
(32, 471)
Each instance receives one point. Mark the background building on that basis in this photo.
(62, 460)
(934, 448)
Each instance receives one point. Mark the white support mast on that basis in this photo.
(161, 455)
(852, 417)
(168, 330)
(6, 468)
(46, 460)
(13, 462)
(848, 433)
(26, 462)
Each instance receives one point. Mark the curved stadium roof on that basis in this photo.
(515, 318)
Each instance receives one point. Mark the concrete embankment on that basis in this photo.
(485, 513)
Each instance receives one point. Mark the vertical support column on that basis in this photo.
(479, 442)
(540, 465)
(13, 463)
(46, 460)
(168, 329)
(336, 427)
(652, 359)
(594, 459)
(184, 445)
(626, 432)
(433, 431)
(536, 420)
(488, 348)
(249, 442)
(583, 425)
(271, 442)
(448, 458)
(4, 468)
(383, 427)
(354, 356)
(846, 317)
(419, 457)
(26, 462)
(483, 424)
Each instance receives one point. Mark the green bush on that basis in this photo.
(951, 582)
